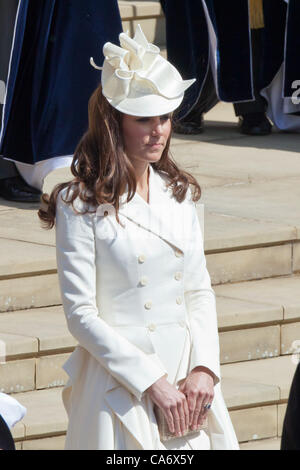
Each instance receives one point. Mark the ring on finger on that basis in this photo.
(207, 406)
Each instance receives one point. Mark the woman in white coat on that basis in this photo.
(134, 284)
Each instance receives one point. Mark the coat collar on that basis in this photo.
(162, 216)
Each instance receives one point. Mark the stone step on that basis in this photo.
(259, 319)
(262, 444)
(252, 263)
(241, 249)
(28, 274)
(35, 343)
(261, 372)
(149, 15)
(45, 422)
(255, 396)
(32, 291)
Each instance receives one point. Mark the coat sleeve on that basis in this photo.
(201, 303)
(75, 253)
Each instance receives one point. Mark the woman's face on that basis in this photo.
(145, 138)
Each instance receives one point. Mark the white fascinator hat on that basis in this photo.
(137, 80)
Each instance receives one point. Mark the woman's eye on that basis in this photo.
(162, 118)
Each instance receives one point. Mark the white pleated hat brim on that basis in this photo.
(146, 106)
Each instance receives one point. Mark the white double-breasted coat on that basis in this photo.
(139, 301)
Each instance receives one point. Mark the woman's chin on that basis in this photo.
(154, 154)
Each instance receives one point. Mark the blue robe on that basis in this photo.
(51, 79)
(188, 45)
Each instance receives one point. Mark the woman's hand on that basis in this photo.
(173, 404)
(198, 388)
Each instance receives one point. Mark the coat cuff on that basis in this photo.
(215, 377)
(200, 362)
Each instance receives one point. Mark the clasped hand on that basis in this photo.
(184, 408)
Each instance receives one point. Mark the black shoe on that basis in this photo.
(188, 127)
(17, 190)
(255, 124)
(30, 189)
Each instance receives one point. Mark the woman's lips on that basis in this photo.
(155, 146)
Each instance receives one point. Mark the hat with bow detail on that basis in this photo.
(137, 80)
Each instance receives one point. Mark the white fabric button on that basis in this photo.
(142, 258)
(178, 253)
(179, 300)
(148, 305)
(144, 281)
(178, 276)
(152, 327)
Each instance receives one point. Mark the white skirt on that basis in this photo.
(104, 415)
(95, 424)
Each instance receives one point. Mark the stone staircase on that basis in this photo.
(252, 244)
(149, 15)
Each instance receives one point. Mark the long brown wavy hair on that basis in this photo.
(102, 169)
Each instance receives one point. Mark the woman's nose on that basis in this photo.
(157, 128)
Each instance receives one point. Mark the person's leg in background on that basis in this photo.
(12, 185)
(252, 114)
(193, 122)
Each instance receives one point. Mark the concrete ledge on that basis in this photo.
(242, 393)
(262, 444)
(49, 371)
(249, 344)
(290, 338)
(255, 423)
(24, 226)
(263, 372)
(142, 9)
(19, 258)
(46, 415)
(47, 326)
(12, 345)
(149, 15)
(50, 443)
(29, 292)
(239, 313)
(296, 256)
(282, 292)
(17, 376)
(281, 415)
(255, 263)
(224, 232)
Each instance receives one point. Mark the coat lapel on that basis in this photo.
(163, 215)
